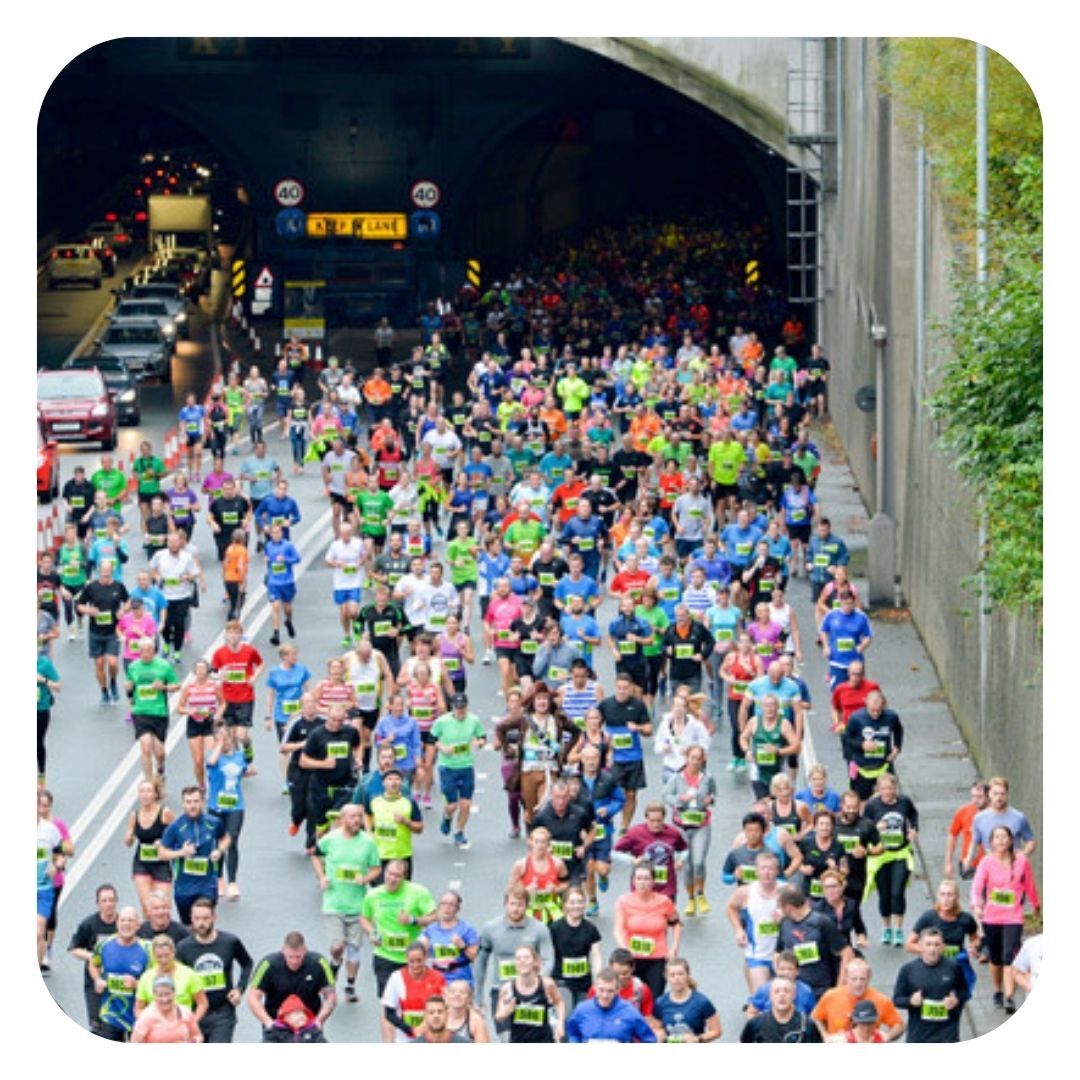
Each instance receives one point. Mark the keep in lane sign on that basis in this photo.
(362, 225)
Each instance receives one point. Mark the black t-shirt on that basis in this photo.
(557, 566)
(229, 513)
(177, 931)
(954, 932)
(46, 584)
(92, 930)
(274, 978)
(73, 492)
(566, 830)
(929, 1021)
(213, 963)
(573, 943)
(817, 944)
(371, 618)
(157, 530)
(860, 833)
(322, 744)
(108, 599)
(629, 463)
(619, 714)
(767, 1029)
(298, 731)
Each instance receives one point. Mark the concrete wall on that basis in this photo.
(871, 237)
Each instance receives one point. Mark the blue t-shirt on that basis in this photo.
(288, 687)
(669, 590)
(798, 506)
(830, 800)
(262, 469)
(280, 511)
(845, 632)
(786, 690)
(723, 622)
(522, 584)
(716, 569)
(584, 587)
(621, 1022)
(459, 968)
(153, 599)
(584, 537)
(405, 733)
(739, 544)
(679, 1017)
(114, 958)
(280, 560)
(492, 568)
(805, 1000)
(191, 419)
(204, 832)
(575, 628)
(224, 776)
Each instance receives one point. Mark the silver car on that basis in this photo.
(167, 293)
(141, 345)
(140, 310)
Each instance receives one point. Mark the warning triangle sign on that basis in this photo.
(265, 278)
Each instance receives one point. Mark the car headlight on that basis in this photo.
(127, 397)
(181, 317)
(100, 410)
(168, 329)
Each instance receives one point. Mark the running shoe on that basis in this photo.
(462, 841)
(999, 1000)
(515, 834)
(691, 907)
(886, 936)
(234, 891)
(350, 993)
(71, 633)
(284, 789)
(289, 627)
(427, 801)
(593, 909)
(898, 938)
(603, 882)
(733, 764)
(703, 906)
(1010, 1005)
(444, 826)
(346, 642)
(487, 659)
(115, 693)
(275, 638)
(104, 697)
(293, 829)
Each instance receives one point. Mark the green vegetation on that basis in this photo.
(989, 389)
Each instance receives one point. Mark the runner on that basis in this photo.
(103, 600)
(293, 978)
(406, 994)
(607, 1017)
(683, 1014)
(933, 991)
(174, 570)
(197, 840)
(226, 766)
(754, 913)
(238, 664)
(647, 923)
(457, 735)
(393, 915)
(690, 793)
(145, 827)
(149, 679)
(97, 927)
(527, 1000)
(897, 822)
(281, 557)
(114, 969)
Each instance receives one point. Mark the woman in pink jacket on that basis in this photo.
(1003, 881)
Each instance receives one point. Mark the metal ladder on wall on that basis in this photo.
(810, 94)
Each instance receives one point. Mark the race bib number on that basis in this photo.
(642, 946)
(627, 648)
(387, 832)
(1004, 897)
(507, 970)
(669, 594)
(412, 1019)
(743, 550)
(849, 843)
(199, 867)
(530, 648)
(277, 568)
(660, 875)
(290, 708)
(816, 888)
(446, 952)
(401, 752)
(768, 929)
(366, 688)
(725, 634)
(213, 980)
(575, 967)
(547, 579)
(459, 750)
(350, 570)
(337, 749)
(348, 874)
(230, 517)
(116, 985)
(585, 543)
(749, 873)
(227, 801)
(934, 1010)
(562, 849)
(557, 673)
(765, 755)
(530, 1015)
(845, 644)
(798, 515)
(622, 741)
(422, 712)
(692, 818)
(950, 951)
(684, 652)
(764, 648)
(821, 560)
(396, 942)
(877, 751)
(148, 853)
(383, 627)
(892, 838)
(807, 953)
(601, 832)
(437, 621)
(235, 675)
(103, 618)
(146, 693)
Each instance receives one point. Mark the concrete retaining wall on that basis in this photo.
(871, 242)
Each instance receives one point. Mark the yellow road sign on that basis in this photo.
(363, 225)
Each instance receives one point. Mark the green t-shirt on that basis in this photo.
(574, 393)
(523, 537)
(112, 482)
(71, 562)
(461, 554)
(149, 471)
(374, 510)
(785, 364)
(520, 460)
(394, 841)
(147, 701)
(186, 982)
(659, 622)
(726, 459)
(348, 859)
(457, 734)
(382, 908)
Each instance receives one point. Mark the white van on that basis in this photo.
(74, 262)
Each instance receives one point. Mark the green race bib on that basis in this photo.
(530, 1015)
(642, 946)
(575, 967)
(507, 970)
(198, 867)
(148, 853)
(337, 749)
(934, 1010)
(807, 953)
(562, 849)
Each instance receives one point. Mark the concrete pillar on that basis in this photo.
(881, 558)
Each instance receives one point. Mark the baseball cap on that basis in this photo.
(459, 701)
(865, 1012)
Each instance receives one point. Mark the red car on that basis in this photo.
(74, 406)
(48, 469)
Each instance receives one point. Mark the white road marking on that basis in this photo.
(94, 847)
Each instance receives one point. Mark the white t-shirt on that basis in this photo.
(1030, 958)
(413, 593)
(440, 601)
(338, 464)
(443, 447)
(171, 568)
(351, 575)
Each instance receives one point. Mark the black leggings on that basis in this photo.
(233, 820)
(651, 973)
(891, 881)
(69, 610)
(236, 593)
(1002, 942)
(175, 623)
(43, 717)
(733, 705)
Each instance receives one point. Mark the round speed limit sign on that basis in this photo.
(425, 194)
(289, 192)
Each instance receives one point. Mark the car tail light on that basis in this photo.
(110, 216)
(120, 238)
(140, 215)
(147, 181)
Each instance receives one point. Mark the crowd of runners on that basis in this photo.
(592, 436)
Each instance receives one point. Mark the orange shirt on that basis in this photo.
(961, 826)
(555, 421)
(377, 391)
(752, 353)
(645, 923)
(643, 428)
(834, 1008)
(236, 562)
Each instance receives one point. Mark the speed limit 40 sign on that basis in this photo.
(288, 192)
(425, 194)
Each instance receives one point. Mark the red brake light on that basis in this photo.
(166, 192)
(138, 192)
(110, 217)
(109, 251)
(161, 172)
(140, 215)
(147, 181)
(120, 237)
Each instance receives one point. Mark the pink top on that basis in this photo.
(502, 611)
(152, 1027)
(133, 630)
(1000, 890)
